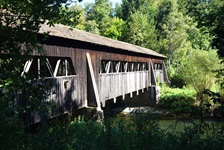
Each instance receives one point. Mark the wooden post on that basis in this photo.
(38, 66)
(49, 67)
(96, 93)
(27, 66)
(153, 72)
(164, 72)
(108, 67)
(56, 68)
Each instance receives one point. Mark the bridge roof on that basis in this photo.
(75, 34)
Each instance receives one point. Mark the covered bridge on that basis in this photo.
(87, 69)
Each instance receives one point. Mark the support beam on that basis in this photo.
(27, 66)
(66, 67)
(108, 67)
(115, 99)
(49, 67)
(118, 67)
(153, 72)
(56, 67)
(38, 66)
(123, 97)
(165, 72)
(96, 93)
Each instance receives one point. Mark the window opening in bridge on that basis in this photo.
(143, 66)
(107, 66)
(117, 66)
(131, 66)
(103, 67)
(138, 66)
(36, 68)
(135, 67)
(49, 67)
(126, 69)
(65, 67)
(157, 66)
(121, 67)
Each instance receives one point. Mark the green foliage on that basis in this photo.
(198, 69)
(92, 26)
(139, 132)
(49, 136)
(73, 16)
(208, 14)
(180, 101)
(21, 95)
(175, 78)
(141, 30)
(100, 12)
(116, 133)
(185, 30)
(175, 42)
(130, 7)
(11, 130)
(116, 29)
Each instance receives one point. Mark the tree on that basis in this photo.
(118, 10)
(198, 70)
(115, 29)
(141, 30)
(208, 14)
(130, 7)
(73, 16)
(92, 26)
(175, 43)
(215, 19)
(19, 25)
(101, 12)
(140, 20)
(163, 10)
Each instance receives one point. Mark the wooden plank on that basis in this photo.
(49, 67)
(164, 72)
(27, 66)
(84, 78)
(153, 72)
(93, 81)
(56, 68)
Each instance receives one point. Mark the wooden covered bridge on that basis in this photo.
(87, 70)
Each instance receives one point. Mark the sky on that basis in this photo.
(91, 1)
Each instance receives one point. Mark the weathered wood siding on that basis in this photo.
(76, 50)
(118, 84)
(159, 75)
(63, 91)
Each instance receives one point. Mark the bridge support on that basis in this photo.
(154, 95)
(99, 111)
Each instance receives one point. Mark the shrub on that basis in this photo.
(178, 100)
(177, 81)
(143, 132)
(137, 132)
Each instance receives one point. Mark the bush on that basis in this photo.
(177, 81)
(137, 132)
(178, 100)
(143, 132)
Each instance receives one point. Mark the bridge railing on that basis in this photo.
(62, 92)
(159, 75)
(118, 84)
